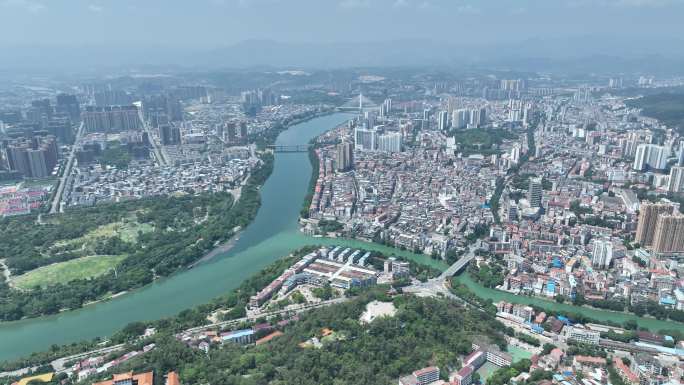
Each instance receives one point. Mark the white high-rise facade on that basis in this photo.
(602, 253)
(443, 120)
(390, 142)
(651, 156)
(676, 182)
(460, 118)
(365, 139)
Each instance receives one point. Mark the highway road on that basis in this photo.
(158, 151)
(55, 205)
(438, 286)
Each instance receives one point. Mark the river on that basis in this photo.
(597, 314)
(273, 234)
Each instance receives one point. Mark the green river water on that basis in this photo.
(273, 234)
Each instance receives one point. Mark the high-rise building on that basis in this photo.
(386, 108)
(365, 139)
(669, 234)
(443, 120)
(68, 105)
(111, 119)
(61, 129)
(534, 192)
(369, 119)
(230, 131)
(107, 98)
(40, 110)
(602, 253)
(676, 181)
(425, 123)
(11, 117)
(650, 156)
(33, 158)
(648, 217)
(515, 153)
(615, 83)
(478, 117)
(512, 84)
(160, 109)
(460, 118)
(243, 130)
(344, 159)
(390, 142)
(169, 135)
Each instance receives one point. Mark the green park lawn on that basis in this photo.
(63, 272)
(126, 229)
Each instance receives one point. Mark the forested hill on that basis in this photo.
(666, 107)
(424, 332)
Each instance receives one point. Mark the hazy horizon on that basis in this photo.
(332, 33)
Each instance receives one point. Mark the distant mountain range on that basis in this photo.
(585, 54)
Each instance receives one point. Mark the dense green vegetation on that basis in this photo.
(268, 137)
(528, 339)
(185, 228)
(522, 182)
(438, 332)
(235, 301)
(641, 309)
(117, 156)
(666, 107)
(315, 164)
(494, 202)
(490, 274)
(481, 140)
(328, 226)
(503, 375)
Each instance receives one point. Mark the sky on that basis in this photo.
(217, 23)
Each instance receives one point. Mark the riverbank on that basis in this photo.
(222, 248)
(273, 232)
(652, 324)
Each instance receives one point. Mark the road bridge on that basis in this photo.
(460, 264)
(290, 148)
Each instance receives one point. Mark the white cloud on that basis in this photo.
(351, 4)
(519, 11)
(625, 3)
(467, 9)
(28, 5)
(420, 4)
(95, 8)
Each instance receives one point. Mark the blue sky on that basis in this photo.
(212, 23)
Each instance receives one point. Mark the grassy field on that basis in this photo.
(127, 230)
(63, 272)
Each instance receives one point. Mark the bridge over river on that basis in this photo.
(289, 148)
